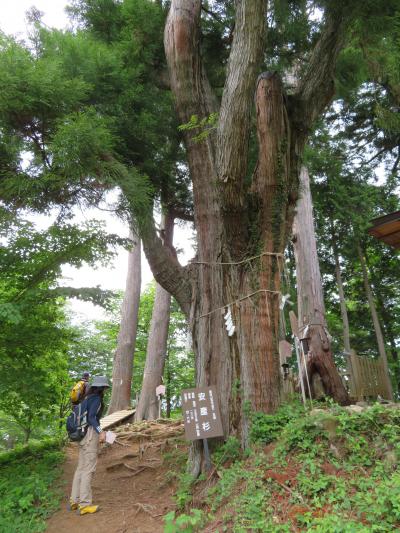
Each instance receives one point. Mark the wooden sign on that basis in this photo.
(201, 413)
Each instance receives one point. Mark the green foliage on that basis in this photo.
(35, 449)
(206, 125)
(36, 337)
(184, 523)
(25, 479)
(267, 427)
(83, 104)
(183, 494)
(229, 451)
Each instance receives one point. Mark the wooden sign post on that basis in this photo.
(295, 332)
(201, 417)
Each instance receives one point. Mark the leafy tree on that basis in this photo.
(35, 333)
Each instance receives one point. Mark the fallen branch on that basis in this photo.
(145, 507)
(120, 443)
(293, 493)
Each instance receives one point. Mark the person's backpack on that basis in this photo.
(78, 392)
(77, 423)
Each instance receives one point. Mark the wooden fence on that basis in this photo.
(366, 377)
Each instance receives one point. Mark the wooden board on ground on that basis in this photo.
(116, 418)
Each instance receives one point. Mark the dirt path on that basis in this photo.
(131, 485)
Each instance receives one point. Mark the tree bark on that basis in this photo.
(168, 388)
(123, 358)
(311, 307)
(342, 299)
(377, 327)
(148, 406)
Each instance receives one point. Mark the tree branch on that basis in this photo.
(212, 14)
(164, 265)
(193, 96)
(189, 83)
(182, 214)
(316, 88)
(234, 120)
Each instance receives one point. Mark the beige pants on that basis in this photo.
(81, 485)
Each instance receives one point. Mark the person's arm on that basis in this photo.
(93, 409)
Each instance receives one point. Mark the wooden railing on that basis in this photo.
(366, 377)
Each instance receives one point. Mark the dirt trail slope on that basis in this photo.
(131, 483)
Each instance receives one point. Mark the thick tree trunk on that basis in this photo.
(311, 307)
(377, 327)
(342, 299)
(123, 358)
(241, 228)
(148, 407)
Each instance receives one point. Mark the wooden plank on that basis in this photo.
(372, 377)
(387, 229)
(357, 374)
(294, 323)
(116, 418)
(370, 387)
(350, 373)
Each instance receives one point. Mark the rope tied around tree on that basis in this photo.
(243, 261)
(284, 298)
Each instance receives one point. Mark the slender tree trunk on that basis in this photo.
(342, 299)
(123, 358)
(377, 327)
(27, 429)
(168, 388)
(148, 407)
(386, 321)
(27, 434)
(390, 336)
(311, 307)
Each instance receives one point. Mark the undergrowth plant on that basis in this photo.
(26, 494)
(328, 471)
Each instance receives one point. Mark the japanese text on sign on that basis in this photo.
(201, 413)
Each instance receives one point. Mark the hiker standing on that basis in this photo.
(81, 494)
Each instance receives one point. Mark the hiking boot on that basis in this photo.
(72, 506)
(87, 509)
